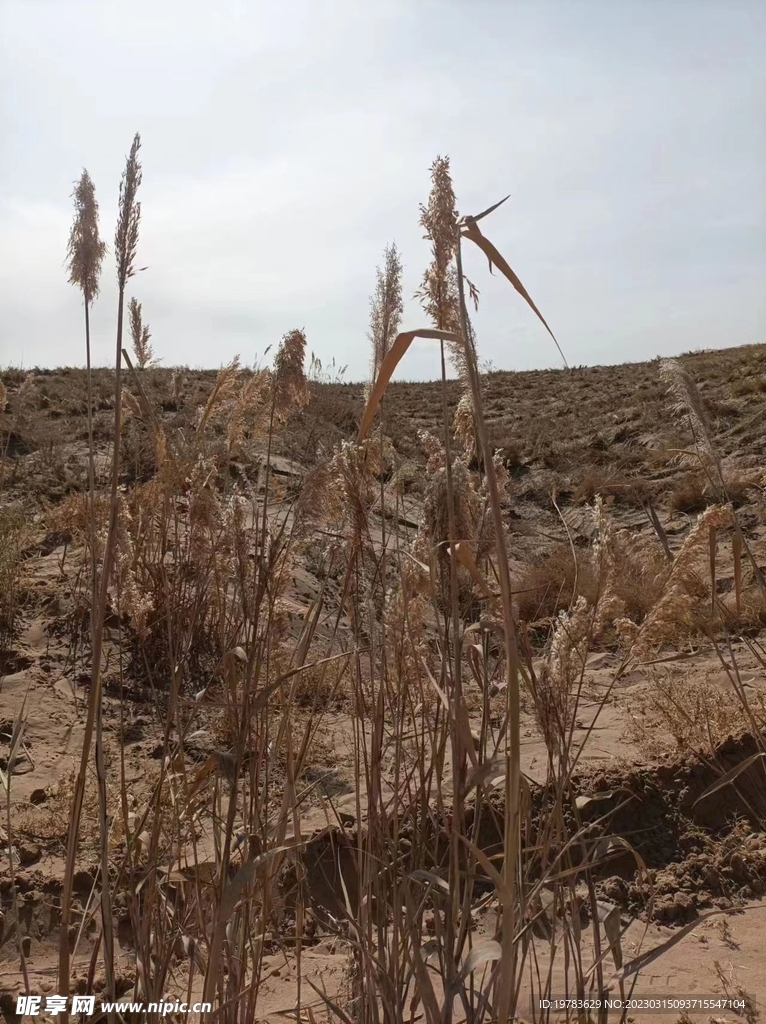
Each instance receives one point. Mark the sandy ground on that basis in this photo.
(38, 680)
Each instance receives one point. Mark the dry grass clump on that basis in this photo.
(684, 590)
(12, 531)
(681, 709)
(326, 686)
(633, 569)
(746, 614)
(740, 485)
(555, 583)
(629, 492)
(48, 822)
(622, 572)
(693, 492)
(647, 597)
(689, 495)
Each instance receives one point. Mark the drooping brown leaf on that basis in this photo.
(391, 360)
(462, 553)
(484, 952)
(490, 209)
(648, 957)
(430, 878)
(470, 229)
(729, 776)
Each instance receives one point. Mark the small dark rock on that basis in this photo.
(125, 932)
(29, 853)
(82, 884)
(685, 900)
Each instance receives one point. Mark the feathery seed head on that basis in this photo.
(177, 386)
(314, 501)
(689, 400)
(135, 603)
(130, 403)
(73, 513)
(561, 672)
(436, 505)
(438, 291)
(224, 389)
(439, 216)
(290, 386)
(129, 216)
(435, 531)
(676, 603)
(140, 335)
(463, 424)
(28, 393)
(350, 492)
(435, 456)
(248, 410)
(386, 307)
(85, 250)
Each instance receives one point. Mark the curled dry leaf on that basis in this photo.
(470, 229)
(431, 879)
(391, 360)
(581, 802)
(729, 776)
(648, 957)
(484, 952)
(462, 553)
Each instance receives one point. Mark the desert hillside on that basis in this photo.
(280, 689)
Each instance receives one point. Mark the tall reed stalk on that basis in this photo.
(125, 244)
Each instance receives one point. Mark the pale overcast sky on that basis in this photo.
(284, 144)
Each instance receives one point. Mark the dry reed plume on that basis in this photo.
(386, 307)
(85, 249)
(140, 335)
(438, 291)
